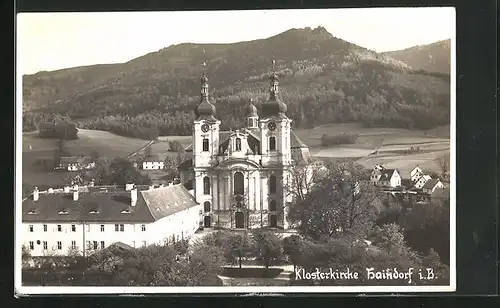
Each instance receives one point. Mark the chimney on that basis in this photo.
(35, 194)
(75, 195)
(92, 182)
(129, 186)
(133, 197)
(170, 184)
(75, 187)
(66, 189)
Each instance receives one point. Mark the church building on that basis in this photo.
(241, 177)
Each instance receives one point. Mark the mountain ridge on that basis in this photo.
(324, 80)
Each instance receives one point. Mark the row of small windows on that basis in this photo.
(59, 245)
(272, 144)
(239, 184)
(207, 206)
(118, 228)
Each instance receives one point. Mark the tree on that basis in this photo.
(148, 152)
(389, 237)
(94, 155)
(341, 204)
(123, 171)
(238, 246)
(268, 247)
(293, 248)
(444, 165)
(301, 177)
(25, 256)
(175, 146)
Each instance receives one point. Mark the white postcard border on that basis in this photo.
(20, 290)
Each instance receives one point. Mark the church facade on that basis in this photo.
(241, 177)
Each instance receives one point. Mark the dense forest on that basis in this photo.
(323, 80)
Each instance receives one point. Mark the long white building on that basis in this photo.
(86, 219)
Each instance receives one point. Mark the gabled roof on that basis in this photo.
(443, 193)
(107, 205)
(75, 160)
(431, 183)
(386, 174)
(295, 142)
(168, 200)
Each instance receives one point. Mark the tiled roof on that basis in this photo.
(75, 160)
(386, 174)
(110, 205)
(165, 201)
(443, 193)
(430, 184)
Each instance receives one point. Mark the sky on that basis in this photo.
(51, 41)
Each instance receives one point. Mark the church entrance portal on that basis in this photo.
(239, 218)
(207, 222)
(274, 221)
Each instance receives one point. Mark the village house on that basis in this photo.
(420, 182)
(153, 162)
(431, 185)
(383, 177)
(75, 163)
(440, 195)
(87, 219)
(416, 173)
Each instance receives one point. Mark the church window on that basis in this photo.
(272, 184)
(206, 185)
(238, 183)
(238, 144)
(272, 205)
(206, 206)
(205, 145)
(272, 143)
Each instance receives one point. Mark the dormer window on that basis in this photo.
(127, 211)
(32, 212)
(238, 144)
(94, 211)
(63, 212)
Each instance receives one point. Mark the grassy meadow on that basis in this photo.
(393, 144)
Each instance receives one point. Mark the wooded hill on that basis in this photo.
(323, 80)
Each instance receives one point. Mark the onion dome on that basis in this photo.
(251, 110)
(205, 109)
(274, 106)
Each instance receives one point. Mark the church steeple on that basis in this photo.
(252, 115)
(274, 106)
(205, 109)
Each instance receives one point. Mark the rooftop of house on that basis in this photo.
(431, 183)
(75, 160)
(386, 174)
(443, 193)
(108, 204)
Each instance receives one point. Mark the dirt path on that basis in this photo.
(141, 149)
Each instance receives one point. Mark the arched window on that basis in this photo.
(205, 145)
(272, 143)
(272, 184)
(206, 206)
(238, 144)
(238, 183)
(272, 205)
(206, 185)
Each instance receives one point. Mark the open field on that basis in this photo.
(394, 142)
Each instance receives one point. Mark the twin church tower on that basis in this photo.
(243, 177)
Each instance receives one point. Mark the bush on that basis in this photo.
(251, 272)
(344, 138)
